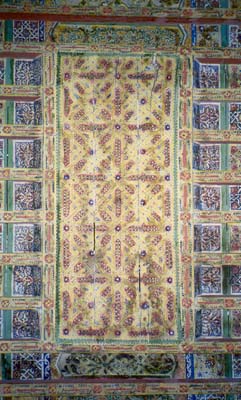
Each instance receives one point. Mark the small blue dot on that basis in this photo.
(145, 306)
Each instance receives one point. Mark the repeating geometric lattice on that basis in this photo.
(235, 116)
(116, 203)
(28, 31)
(234, 36)
(209, 323)
(27, 280)
(28, 72)
(209, 280)
(207, 197)
(25, 324)
(206, 116)
(29, 366)
(207, 238)
(27, 238)
(27, 196)
(27, 153)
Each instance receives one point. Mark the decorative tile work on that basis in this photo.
(2, 71)
(234, 36)
(27, 196)
(235, 279)
(205, 366)
(28, 31)
(207, 4)
(206, 75)
(207, 197)
(235, 238)
(28, 72)
(236, 323)
(208, 323)
(38, 112)
(206, 157)
(206, 116)
(25, 324)
(235, 197)
(27, 238)
(147, 37)
(236, 364)
(28, 113)
(235, 156)
(235, 76)
(30, 366)
(208, 280)
(27, 153)
(235, 116)
(206, 35)
(24, 113)
(207, 238)
(77, 364)
(27, 280)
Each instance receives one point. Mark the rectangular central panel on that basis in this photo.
(117, 183)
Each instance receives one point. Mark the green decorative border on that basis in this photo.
(175, 211)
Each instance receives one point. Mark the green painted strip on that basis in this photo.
(9, 71)
(9, 112)
(6, 361)
(5, 196)
(10, 154)
(10, 195)
(7, 281)
(224, 157)
(224, 3)
(5, 151)
(225, 238)
(226, 323)
(223, 112)
(9, 31)
(10, 238)
(223, 76)
(226, 279)
(7, 324)
(224, 35)
(5, 237)
(225, 198)
(228, 365)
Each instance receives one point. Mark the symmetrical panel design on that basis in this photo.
(117, 165)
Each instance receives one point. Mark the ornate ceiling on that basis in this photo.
(120, 200)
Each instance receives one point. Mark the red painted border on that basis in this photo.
(113, 19)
